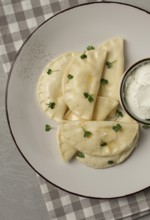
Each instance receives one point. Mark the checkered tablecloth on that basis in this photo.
(18, 18)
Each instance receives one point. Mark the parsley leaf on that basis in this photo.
(51, 105)
(117, 127)
(104, 81)
(88, 96)
(118, 114)
(80, 154)
(86, 133)
(48, 127)
(83, 56)
(109, 64)
(69, 76)
(90, 47)
(49, 71)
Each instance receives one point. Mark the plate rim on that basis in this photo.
(6, 98)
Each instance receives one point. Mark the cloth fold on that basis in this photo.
(17, 20)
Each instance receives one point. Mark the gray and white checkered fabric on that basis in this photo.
(18, 18)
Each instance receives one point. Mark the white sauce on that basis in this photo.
(138, 92)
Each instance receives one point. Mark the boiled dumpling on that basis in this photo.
(49, 90)
(108, 161)
(81, 82)
(88, 136)
(66, 151)
(114, 68)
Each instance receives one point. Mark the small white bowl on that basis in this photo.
(123, 95)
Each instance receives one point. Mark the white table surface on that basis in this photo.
(20, 194)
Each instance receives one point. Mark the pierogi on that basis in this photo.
(86, 74)
(73, 134)
(49, 89)
(80, 92)
(114, 67)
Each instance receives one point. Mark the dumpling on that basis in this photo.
(103, 108)
(66, 151)
(49, 89)
(89, 136)
(108, 161)
(81, 82)
(70, 116)
(114, 68)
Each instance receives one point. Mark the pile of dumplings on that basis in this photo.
(80, 91)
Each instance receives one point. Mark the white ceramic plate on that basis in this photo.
(73, 30)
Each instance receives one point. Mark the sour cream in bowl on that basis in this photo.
(135, 91)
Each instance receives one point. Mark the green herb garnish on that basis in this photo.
(88, 96)
(103, 143)
(87, 133)
(104, 81)
(51, 105)
(80, 154)
(83, 56)
(69, 76)
(49, 71)
(117, 127)
(146, 126)
(109, 64)
(118, 114)
(110, 162)
(90, 47)
(48, 127)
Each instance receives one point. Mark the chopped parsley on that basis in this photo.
(80, 154)
(109, 64)
(48, 127)
(110, 162)
(88, 96)
(104, 81)
(83, 56)
(117, 127)
(86, 133)
(51, 105)
(49, 71)
(90, 47)
(118, 114)
(103, 143)
(69, 76)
